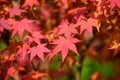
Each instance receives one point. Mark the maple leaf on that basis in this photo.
(88, 24)
(114, 3)
(23, 50)
(115, 47)
(4, 25)
(64, 45)
(9, 57)
(20, 26)
(67, 28)
(30, 3)
(13, 71)
(24, 61)
(15, 11)
(22, 54)
(64, 1)
(36, 37)
(38, 74)
(38, 51)
(78, 11)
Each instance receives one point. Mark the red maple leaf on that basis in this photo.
(114, 3)
(64, 2)
(4, 25)
(13, 71)
(38, 51)
(30, 3)
(87, 24)
(36, 37)
(63, 45)
(20, 26)
(15, 11)
(23, 51)
(67, 28)
(21, 55)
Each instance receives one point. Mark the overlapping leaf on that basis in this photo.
(63, 46)
(114, 3)
(39, 51)
(21, 26)
(88, 24)
(23, 51)
(4, 25)
(36, 37)
(66, 28)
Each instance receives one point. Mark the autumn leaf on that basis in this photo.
(114, 3)
(30, 3)
(115, 47)
(88, 24)
(38, 51)
(63, 46)
(15, 11)
(21, 26)
(13, 71)
(23, 50)
(4, 24)
(66, 28)
(37, 75)
(22, 54)
(77, 11)
(9, 58)
(36, 37)
(21, 61)
(64, 2)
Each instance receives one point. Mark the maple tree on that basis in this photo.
(59, 39)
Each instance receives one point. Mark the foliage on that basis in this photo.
(59, 39)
